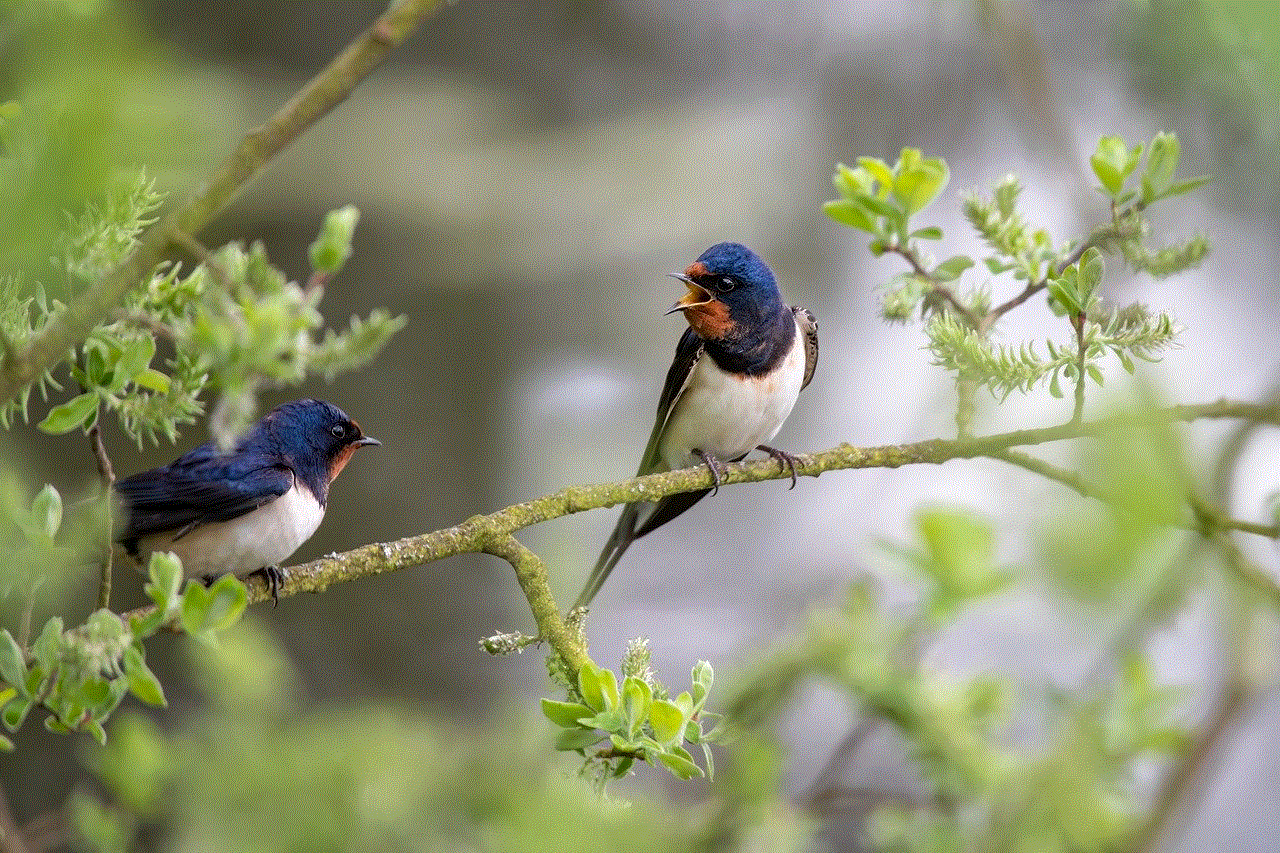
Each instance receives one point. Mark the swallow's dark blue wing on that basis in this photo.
(639, 518)
(202, 487)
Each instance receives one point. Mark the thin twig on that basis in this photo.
(107, 474)
(1049, 471)
(826, 785)
(1077, 410)
(142, 320)
(1033, 287)
(318, 281)
(1187, 776)
(201, 253)
(909, 254)
(531, 572)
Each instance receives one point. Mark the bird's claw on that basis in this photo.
(713, 465)
(786, 461)
(274, 576)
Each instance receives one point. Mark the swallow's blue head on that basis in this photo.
(312, 434)
(732, 294)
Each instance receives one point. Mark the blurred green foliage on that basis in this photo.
(1215, 65)
(89, 99)
(259, 770)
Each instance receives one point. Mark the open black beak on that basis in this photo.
(696, 296)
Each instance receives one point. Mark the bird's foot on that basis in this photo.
(274, 576)
(785, 461)
(714, 465)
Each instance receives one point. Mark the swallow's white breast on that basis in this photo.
(728, 415)
(265, 536)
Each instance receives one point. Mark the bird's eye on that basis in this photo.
(338, 430)
(724, 284)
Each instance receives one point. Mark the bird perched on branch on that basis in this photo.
(246, 509)
(738, 370)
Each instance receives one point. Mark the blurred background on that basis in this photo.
(526, 175)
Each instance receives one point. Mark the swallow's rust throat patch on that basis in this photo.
(710, 320)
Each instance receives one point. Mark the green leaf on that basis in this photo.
(6, 745)
(135, 357)
(95, 366)
(1089, 276)
(681, 766)
(1185, 186)
(15, 712)
(152, 380)
(703, 676)
(1111, 162)
(13, 667)
(952, 268)
(1162, 162)
(1094, 373)
(46, 510)
(879, 171)
(1063, 291)
(142, 681)
(667, 721)
(228, 599)
(165, 570)
(332, 248)
(598, 687)
(880, 207)
(959, 556)
(570, 740)
(565, 714)
(609, 721)
(848, 212)
(932, 232)
(918, 185)
(636, 696)
(76, 412)
(852, 182)
(1055, 386)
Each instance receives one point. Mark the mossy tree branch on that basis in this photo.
(317, 98)
(492, 534)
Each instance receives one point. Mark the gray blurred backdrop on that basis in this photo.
(528, 172)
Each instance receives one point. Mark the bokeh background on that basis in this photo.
(527, 173)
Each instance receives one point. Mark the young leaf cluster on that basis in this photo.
(638, 718)
(80, 675)
(1128, 333)
(881, 199)
(234, 322)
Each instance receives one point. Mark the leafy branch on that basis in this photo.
(70, 324)
(881, 200)
(490, 533)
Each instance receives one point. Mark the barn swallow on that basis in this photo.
(738, 370)
(248, 509)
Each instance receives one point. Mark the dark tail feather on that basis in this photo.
(628, 530)
(668, 508)
(624, 533)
